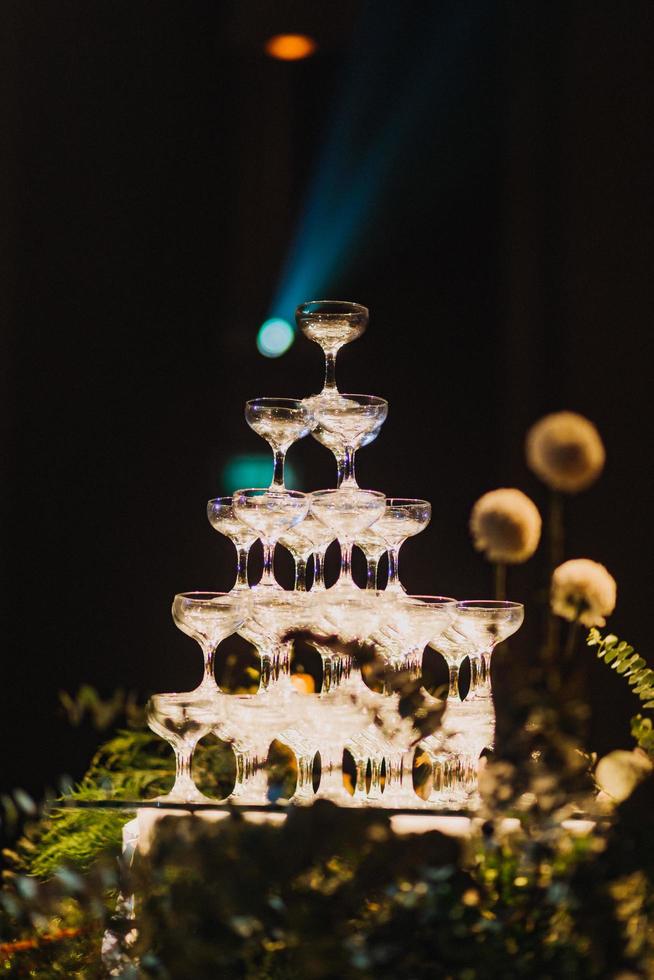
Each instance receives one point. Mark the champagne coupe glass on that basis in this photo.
(310, 537)
(330, 726)
(427, 617)
(454, 750)
(454, 648)
(347, 512)
(410, 622)
(270, 513)
(278, 613)
(220, 512)
(346, 423)
(485, 623)
(353, 617)
(331, 324)
(403, 518)
(453, 769)
(251, 723)
(281, 422)
(373, 547)
(369, 747)
(182, 720)
(304, 751)
(272, 663)
(395, 747)
(361, 748)
(209, 617)
(407, 623)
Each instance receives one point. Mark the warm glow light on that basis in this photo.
(290, 47)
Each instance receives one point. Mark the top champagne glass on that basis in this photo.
(331, 323)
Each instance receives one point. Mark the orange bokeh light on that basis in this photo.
(290, 47)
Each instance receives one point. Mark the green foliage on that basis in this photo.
(103, 713)
(643, 731)
(623, 659)
(335, 893)
(132, 765)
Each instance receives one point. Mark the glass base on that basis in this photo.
(185, 793)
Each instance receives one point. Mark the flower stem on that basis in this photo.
(556, 553)
(571, 641)
(500, 581)
(556, 530)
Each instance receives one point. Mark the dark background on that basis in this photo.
(155, 166)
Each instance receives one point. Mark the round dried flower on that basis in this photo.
(565, 451)
(618, 773)
(583, 590)
(505, 525)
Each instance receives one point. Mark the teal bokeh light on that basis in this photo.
(253, 470)
(275, 337)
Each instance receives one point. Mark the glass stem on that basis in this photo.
(327, 665)
(300, 575)
(183, 777)
(413, 663)
(304, 785)
(278, 470)
(453, 693)
(268, 576)
(318, 575)
(349, 479)
(251, 776)
(331, 772)
(282, 661)
(242, 567)
(340, 468)
(266, 670)
(394, 774)
(360, 791)
(371, 579)
(393, 577)
(475, 676)
(346, 562)
(486, 670)
(209, 666)
(330, 370)
(375, 777)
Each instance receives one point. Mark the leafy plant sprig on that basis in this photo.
(623, 659)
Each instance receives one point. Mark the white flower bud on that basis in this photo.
(505, 525)
(565, 451)
(583, 590)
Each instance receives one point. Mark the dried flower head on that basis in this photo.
(505, 525)
(583, 590)
(565, 451)
(619, 772)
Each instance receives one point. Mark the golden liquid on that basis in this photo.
(332, 332)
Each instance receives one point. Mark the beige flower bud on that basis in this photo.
(619, 772)
(565, 451)
(583, 590)
(505, 525)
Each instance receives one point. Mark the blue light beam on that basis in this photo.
(365, 145)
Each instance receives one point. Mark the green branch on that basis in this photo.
(622, 658)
